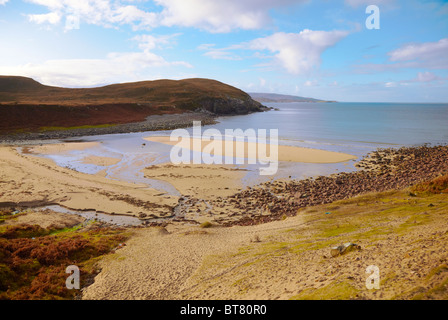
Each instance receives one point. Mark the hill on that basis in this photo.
(274, 97)
(27, 105)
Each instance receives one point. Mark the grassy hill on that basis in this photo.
(26, 104)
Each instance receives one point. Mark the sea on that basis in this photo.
(353, 128)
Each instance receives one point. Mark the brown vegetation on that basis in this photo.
(33, 259)
(437, 185)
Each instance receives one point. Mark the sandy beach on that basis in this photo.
(250, 150)
(271, 241)
(101, 161)
(201, 181)
(27, 179)
(57, 148)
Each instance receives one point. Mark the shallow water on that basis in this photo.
(119, 220)
(353, 128)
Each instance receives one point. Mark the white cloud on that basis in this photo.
(99, 12)
(426, 77)
(298, 53)
(311, 83)
(52, 18)
(423, 78)
(115, 67)
(210, 15)
(357, 3)
(150, 42)
(219, 16)
(428, 55)
(219, 54)
(423, 54)
(390, 84)
(3, 2)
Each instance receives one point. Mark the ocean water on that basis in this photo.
(351, 124)
(354, 128)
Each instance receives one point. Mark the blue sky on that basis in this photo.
(313, 48)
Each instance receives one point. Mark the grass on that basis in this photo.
(333, 291)
(436, 271)
(334, 231)
(72, 229)
(47, 129)
(206, 224)
(8, 213)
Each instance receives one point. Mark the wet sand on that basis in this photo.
(58, 148)
(251, 150)
(101, 161)
(201, 181)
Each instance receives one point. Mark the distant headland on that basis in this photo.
(274, 97)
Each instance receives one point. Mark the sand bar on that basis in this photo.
(101, 161)
(285, 153)
(199, 180)
(62, 147)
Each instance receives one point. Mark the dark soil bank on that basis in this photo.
(152, 123)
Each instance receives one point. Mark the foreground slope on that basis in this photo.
(404, 236)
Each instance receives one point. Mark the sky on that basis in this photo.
(341, 50)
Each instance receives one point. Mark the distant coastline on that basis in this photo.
(281, 98)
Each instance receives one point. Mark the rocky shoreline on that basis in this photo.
(384, 169)
(152, 123)
(381, 170)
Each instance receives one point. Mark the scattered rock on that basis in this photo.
(344, 248)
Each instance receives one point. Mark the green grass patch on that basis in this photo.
(333, 291)
(7, 213)
(412, 222)
(46, 129)
(338, 230)
(206, 224)
(72, 229)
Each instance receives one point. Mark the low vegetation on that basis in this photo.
(437, 185)
(33, 260)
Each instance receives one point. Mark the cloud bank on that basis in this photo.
(298, 53)
(209, 15)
